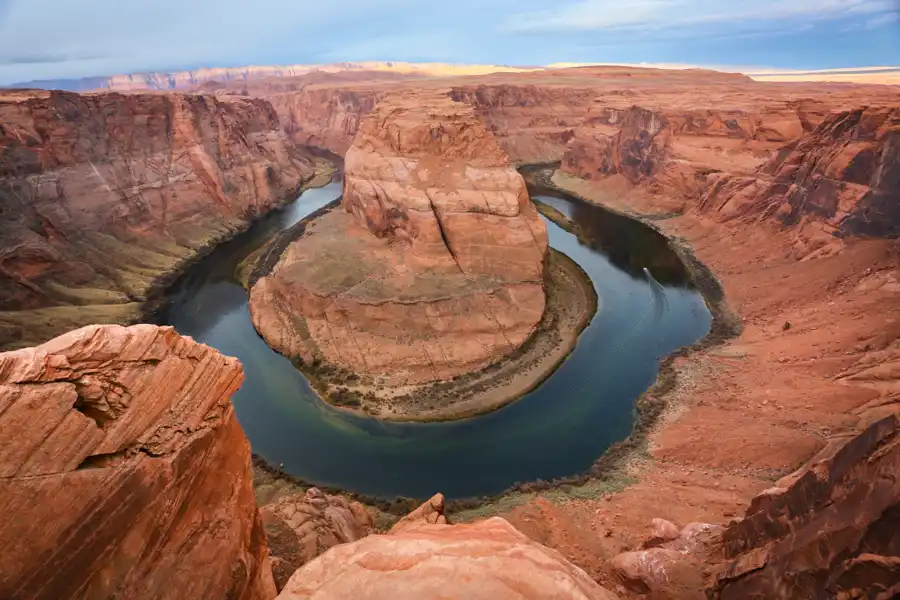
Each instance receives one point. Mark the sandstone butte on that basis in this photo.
(774, 468)
(104, 197)
(432, 268)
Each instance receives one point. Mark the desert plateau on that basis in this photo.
(436, 330)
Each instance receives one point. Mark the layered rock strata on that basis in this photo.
(846, 173)
(102, 195)
(718, 121)
(434, 265)
(489, 559)
(124, 471)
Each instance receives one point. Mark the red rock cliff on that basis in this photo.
(124, 472)
(102, 194)
(831, 530)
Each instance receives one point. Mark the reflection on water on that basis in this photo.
(555, 431)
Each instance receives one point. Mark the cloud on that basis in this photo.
(587, 15)
(883, 20)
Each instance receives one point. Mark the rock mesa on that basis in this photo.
(433, 267)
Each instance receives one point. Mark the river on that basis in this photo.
(557, 430)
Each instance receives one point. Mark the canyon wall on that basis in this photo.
(434, 265)
(102, 195)
(832, 529)
(846, 172)
(531, 123)
(673, 150)
(326, 117)
(124, 471)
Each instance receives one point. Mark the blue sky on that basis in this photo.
(42, 39)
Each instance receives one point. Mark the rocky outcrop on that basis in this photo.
(125, 472)
(430, 513)
(659, 573)
(846, 172)
(831, 529)
(434, 265)
(103, 195)
(303, 526)
(485, 560)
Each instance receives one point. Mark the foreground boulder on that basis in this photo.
(434, 265)
(303, 526)
(124, 472)
(487, 560)
(103, 195)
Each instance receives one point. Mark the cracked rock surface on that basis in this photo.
(125, 472)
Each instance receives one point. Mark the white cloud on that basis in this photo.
(668, 14)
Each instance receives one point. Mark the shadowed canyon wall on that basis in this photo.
(846, 172)
(102, 195)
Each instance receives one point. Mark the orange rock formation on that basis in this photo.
(487, 560)
(125, 472)
(303, 526)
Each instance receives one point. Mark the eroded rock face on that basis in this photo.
(433, 268)
(103, 194)
(632, 143)
(830, 530)
(301, 527)
(426, 172)
(125, 472)
(846, 172)
(487, 560)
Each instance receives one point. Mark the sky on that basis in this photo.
(52, 39)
